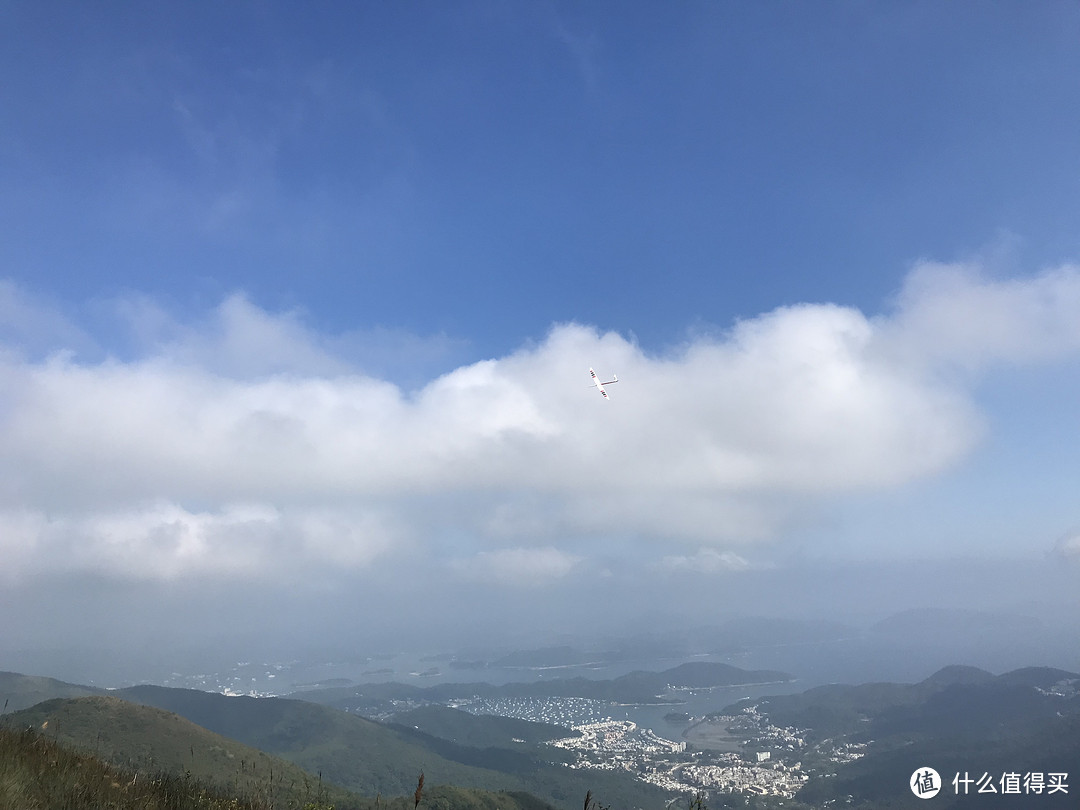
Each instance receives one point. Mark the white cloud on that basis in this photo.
(721, 443)
(955, 316)
(164, 541)
(239, 340)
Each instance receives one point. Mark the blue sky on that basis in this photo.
(486, 170)
(315, 287)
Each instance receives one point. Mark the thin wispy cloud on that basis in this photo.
(517, 567)
(1068, 547)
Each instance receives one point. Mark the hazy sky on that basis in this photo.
(298, 303)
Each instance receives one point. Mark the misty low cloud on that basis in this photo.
(165, 541)
(706, 561)
(172, 464)
(1068, 547)
(517, 567)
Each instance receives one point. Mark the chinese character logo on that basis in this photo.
(925, 783)
(1010, 782)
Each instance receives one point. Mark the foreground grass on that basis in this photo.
(37, 773)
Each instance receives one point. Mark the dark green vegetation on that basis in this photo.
(960, 719)
(38, 773)
(478, 731)
(351, 751)
(142, 739)
(237, 751)
(369, 757)
(356, 754)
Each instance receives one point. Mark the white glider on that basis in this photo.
(600, 385)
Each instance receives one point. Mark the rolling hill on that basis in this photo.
(353, 751)
(23, 691)
(38, 773)
(959, 720)
(147, 740)
(370, 757)
(478, 730)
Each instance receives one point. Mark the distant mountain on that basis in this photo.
(675, 643)
(635, 687)
(840, 709)
(956, 674)
(22, 691)
(958, 720)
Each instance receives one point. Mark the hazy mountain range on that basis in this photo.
(961, 719)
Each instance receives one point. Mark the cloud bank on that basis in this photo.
(248, 445)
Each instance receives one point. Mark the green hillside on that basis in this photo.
(958, 720)
(38, 773)
(360, 754)
(480, 731)
(958, 700)
(148, 740)
(878, 780)
(23, 691)
(372, 758)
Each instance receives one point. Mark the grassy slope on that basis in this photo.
(349, 750)
(23, 691)
(369, 757)
(38, 773)
(363, 756)
(146, 739)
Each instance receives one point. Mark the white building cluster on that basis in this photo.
(616, 740)
(621, 745)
